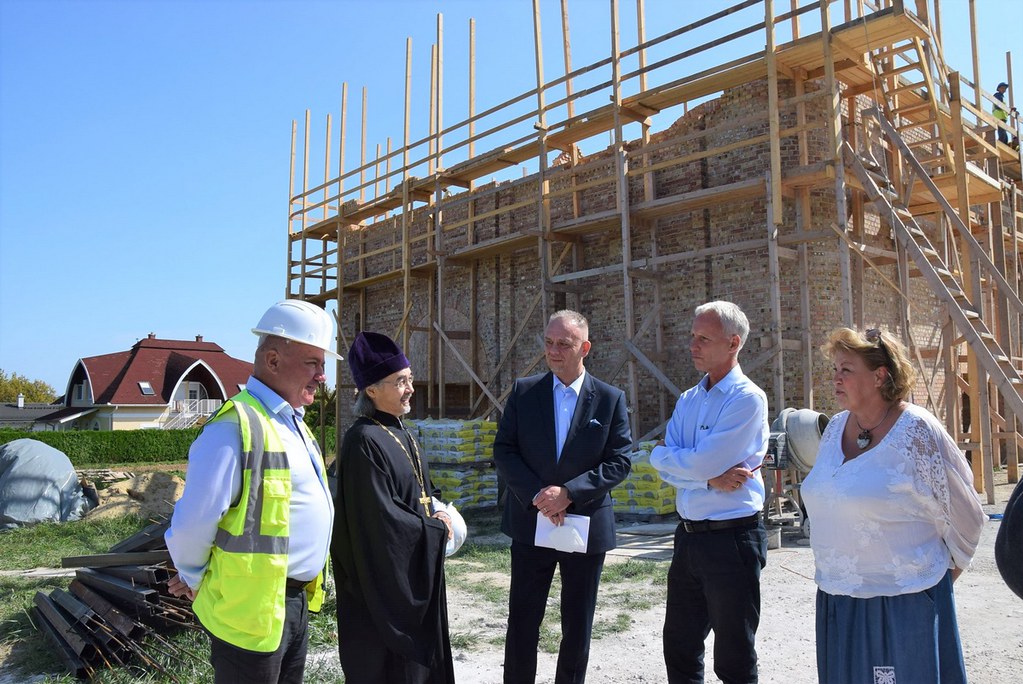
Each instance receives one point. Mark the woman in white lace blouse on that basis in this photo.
(894, 519)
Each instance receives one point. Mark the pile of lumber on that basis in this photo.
(116, 609)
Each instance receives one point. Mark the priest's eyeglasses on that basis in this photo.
(403, 382)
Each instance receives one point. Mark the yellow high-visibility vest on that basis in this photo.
(241, 598)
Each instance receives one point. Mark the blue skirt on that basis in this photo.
(906, 639)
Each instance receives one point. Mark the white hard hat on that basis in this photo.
(458, 529)
(299, 321)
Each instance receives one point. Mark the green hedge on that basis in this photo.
(101, 448)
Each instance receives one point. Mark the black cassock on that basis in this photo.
(388, 559)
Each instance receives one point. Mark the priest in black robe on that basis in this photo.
(390, 533)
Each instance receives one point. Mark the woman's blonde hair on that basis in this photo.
(877, 348)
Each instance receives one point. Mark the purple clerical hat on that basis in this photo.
(373, 357)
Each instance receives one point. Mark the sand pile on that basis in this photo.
(149, 495)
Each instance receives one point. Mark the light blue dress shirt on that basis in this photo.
(710, 432)
(565, 399)
(213, 482)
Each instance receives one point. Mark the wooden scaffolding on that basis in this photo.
(878, 192)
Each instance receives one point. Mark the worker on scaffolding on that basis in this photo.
(1002, 115)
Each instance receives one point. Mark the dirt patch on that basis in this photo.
(148, 495)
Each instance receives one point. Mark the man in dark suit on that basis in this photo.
(562, 444)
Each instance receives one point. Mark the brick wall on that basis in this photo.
(506, 284)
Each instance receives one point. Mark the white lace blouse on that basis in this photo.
(894, 519)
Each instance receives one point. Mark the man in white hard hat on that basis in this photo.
(250, 534)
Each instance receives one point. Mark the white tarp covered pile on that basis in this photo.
(461, 458)
(37, 484)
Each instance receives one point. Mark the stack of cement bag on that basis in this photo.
(461, 458)
(643, 493)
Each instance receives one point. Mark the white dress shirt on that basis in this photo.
(894, 519)
(213, 483)
(709, 432)
(565, 399)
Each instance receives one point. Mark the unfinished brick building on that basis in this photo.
(844, 175)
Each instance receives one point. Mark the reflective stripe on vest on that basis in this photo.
(256, 461)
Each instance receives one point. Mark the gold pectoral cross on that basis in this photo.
(425, 500)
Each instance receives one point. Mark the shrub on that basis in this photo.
(96, 448)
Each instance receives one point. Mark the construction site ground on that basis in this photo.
(990, 617)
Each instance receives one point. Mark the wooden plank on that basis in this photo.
(102, 560)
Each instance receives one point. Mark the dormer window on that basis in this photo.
(147, 389)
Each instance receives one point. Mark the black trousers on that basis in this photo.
(714, 583)
(532, 570)
(286, 665)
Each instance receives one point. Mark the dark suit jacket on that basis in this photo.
(594, 459)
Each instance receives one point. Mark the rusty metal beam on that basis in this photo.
(103, 560)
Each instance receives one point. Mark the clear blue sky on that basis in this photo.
(144, 146)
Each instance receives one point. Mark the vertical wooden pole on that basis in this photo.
(1013, 119)
(474, 342)
(1006, 442)
(472, 94)
(1012, 468)
(648, 177)
(570, 106)
(774, 206)
(567, 50)
(834, 130)
(621, 173)
(406, 202)
(978, 99)
(376, 178)
(291, 205)
(438, 222)
(362, 149)
(439, 127)
(543, 226)
(980, 428)
(362, 198)
(326, 169)
(433, 117)
(305, 202)
(341, 147)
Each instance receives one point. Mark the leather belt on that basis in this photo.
(296, 584)
(694, 526)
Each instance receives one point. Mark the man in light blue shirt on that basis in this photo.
(250, 534)
(713, 446)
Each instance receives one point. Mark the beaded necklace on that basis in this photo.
(417, 464)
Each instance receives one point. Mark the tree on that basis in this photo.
(325, 405)
(34, 390)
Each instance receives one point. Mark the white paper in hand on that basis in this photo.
(571, 536)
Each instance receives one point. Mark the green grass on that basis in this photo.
(479, 570)
(620, 623)
(473, 558)
(45, 544)
(633, 570)
(465, 641)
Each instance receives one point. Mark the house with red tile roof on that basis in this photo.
(157, 384)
